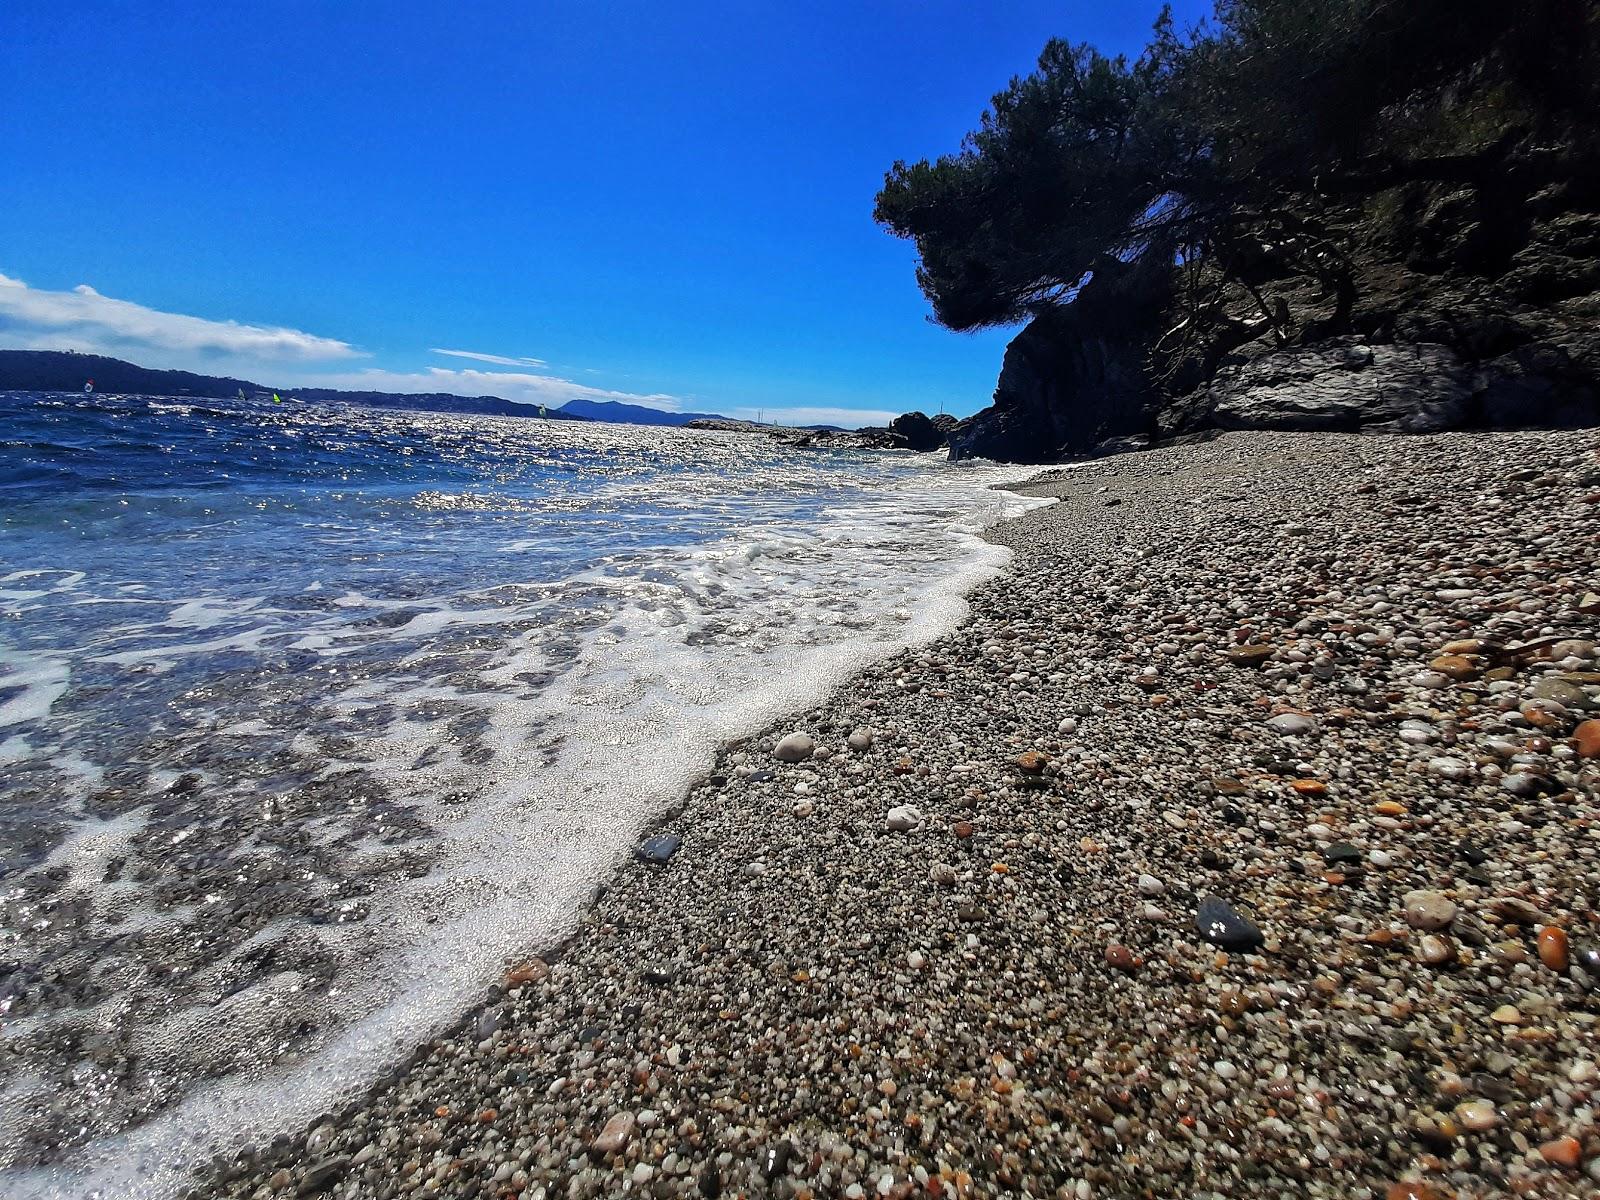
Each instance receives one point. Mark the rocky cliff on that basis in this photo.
(1076, 376)
(1461, 307)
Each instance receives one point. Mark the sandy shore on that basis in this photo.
(1003, 990)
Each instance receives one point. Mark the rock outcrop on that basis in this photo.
(1343, 384)
(1463, 308)
(1074, 377)
(1426, 387)
(917, 431)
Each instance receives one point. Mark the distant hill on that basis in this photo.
(66, 371)
(632, 414)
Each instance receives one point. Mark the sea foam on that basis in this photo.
(430, 759)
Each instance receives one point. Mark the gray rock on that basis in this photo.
(1219, 923)
(1551, 687)
(1293, 723)
(903, 818)
(319, 1177)
(796, 747)
(658, 849)
(1345, 385)
(1341, 852)
(1428, 910)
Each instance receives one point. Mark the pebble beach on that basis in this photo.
(1244, 841)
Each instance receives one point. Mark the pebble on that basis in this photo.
(794, 748)
(535, 970)
(658, 849)
(777, 1160)
(1032, 763)
(860, 739)
(321, 1176)
(1149, 885)
(1435, 950)
(1410, 1190)
(1553, 948)
(1454, 666)
(1250, 656)
(1293, 723)
(1569, 695)
(1562, 1152)
(1428, 910)
(1586, 738)
(1120, 958)
(903, 818)
(616, 1134)
(1477, 1115)
(1219, 923)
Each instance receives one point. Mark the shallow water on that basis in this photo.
(312, 718)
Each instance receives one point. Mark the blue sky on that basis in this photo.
(667, 202)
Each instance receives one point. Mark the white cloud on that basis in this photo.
(83, 319)
(499, 360)
(519, 387)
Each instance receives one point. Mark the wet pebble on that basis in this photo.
(1218, 922)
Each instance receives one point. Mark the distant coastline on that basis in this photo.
(69, 371)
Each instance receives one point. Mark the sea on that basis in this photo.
(313, 718)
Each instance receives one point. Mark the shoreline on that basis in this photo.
(916, 533)
(1012, 996)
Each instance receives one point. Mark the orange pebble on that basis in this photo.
(1389, 808)
(1120, 958)
(1553, 948)
(1587, 738)
(1413, 1190)
(1310, 787)
(1563, 1152)
(1031, 762)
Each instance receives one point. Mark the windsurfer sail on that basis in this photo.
(89, 387)
(277, 399)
